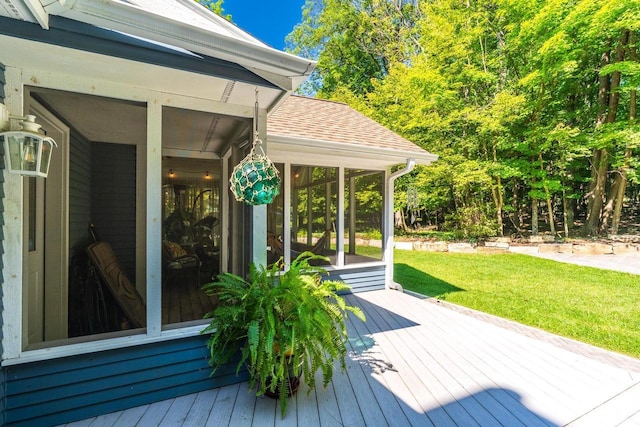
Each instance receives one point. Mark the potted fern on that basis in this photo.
(284, 325)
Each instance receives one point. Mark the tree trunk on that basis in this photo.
(607, 209)
(496, 193)
(399, 220)
(614, 100)
(534, 217)
(621, 185)
(499, 204)
(603, 96)
(534, 212)
(518, 207)
(571, 214)
(600, 159)
(552, 224)
(597, 195)
(621, 177)
(565, 213)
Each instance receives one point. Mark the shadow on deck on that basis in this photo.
(413, 363)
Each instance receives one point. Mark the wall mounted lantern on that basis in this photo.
(27, 151)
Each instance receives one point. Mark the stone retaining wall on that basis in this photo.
(505, 245)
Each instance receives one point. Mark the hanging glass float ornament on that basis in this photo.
(255, 180)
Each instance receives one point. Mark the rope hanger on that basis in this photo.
(255, 180)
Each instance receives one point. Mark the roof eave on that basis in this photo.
(390, 156)
(139, 22)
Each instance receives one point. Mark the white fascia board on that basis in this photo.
(388, 156)
(38, 12)
(206, 14)
(26, 10)
(119, 16)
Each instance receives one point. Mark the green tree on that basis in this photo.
(531, 105)
(576, 54)
(353, 41)
(216, 7)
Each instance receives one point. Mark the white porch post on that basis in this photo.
(224, 215)
(12, 325)
(286, 232)
(352, 215)
(259, 213)
(154, 217)
(340, 219)
(309, 206)
(388, 228)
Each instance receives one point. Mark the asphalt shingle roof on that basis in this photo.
(321, 120)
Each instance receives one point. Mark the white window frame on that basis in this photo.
(341, 165)
(149, 212)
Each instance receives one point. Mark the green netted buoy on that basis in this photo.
(255, 180)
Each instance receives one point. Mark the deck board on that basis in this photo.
(306, 408)
(350, 412)
(155, 413)
(617, 410)
(435, 376)
(201, 408)
(291, 420)
(391, 374)
(110, 420)
(244, 407)
(524, 369)
(264, 413)
(222, 407)
(179, 410)
(632, 421)
(418, 363)
(508, 372)
(328, 408)
(441, 354)
(131, 417)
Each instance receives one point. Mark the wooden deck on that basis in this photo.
(418, 363)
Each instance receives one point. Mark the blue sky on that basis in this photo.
(269, 21)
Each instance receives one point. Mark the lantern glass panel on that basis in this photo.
(29, 153)
(46, 156)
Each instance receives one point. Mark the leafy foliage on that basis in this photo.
(531, 105)
(215, 6)
(281, 324)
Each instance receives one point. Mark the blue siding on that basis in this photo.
(63, 390)
(361, 279)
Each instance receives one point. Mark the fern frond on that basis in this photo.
(280, 323)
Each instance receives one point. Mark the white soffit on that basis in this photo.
(286, 148)
(71, 62)
(25, 10)
(217, 37)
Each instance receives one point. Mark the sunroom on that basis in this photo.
(152, 103)
(337, 199)
(146, 133)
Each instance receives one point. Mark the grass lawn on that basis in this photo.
(591, 305)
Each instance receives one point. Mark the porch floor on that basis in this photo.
(422, 362)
